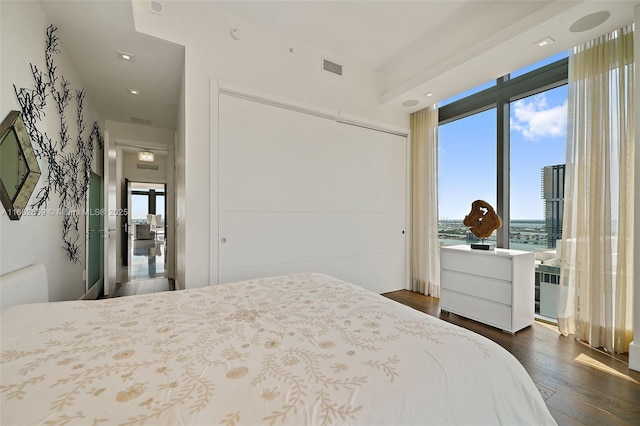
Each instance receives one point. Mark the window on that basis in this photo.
(139, 208)
(146, 198)
(562, 55)
(538, 131)
(468, 93)
(518, 167)
(467, 171)
(160, 207)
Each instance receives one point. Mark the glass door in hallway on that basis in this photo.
(95, 233)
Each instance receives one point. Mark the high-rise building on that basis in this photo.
(552, 186)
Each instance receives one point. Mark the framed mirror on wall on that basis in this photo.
(19, 170)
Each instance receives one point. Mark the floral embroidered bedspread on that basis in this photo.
(297, 349)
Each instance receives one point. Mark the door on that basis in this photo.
(95, 253)
(110, 207)
(124, 220)
(301, 193)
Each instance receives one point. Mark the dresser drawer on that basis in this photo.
(483, 287)
(486, 265)
(491, 313)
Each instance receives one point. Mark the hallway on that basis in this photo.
(146, 270)
(144, 286)
(146, 260)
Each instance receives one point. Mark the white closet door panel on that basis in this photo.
(370, 170)
(266, 238)
(379, 273)
(273, 159)
(369, 233)
(300, 193)
(263, 271)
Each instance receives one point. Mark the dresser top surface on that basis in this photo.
(494, 252)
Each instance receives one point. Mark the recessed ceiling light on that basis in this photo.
(410, 103)
(134, 92)
(590, 21)
(429, 94)
(125, 56)
(544, 41)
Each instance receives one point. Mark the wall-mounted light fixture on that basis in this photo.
(147, 156)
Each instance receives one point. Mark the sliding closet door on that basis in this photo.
(300, 193)
(370, 176)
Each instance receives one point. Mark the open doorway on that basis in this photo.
(145, 244)
(133, 157)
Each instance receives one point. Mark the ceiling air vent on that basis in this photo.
(332, 67)
(148, 167)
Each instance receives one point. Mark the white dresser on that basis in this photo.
(495, 287)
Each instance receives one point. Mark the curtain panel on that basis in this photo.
(425, 245)
(596, 287)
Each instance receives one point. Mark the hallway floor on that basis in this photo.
(146, 260)
(146, 272)
(145, 286)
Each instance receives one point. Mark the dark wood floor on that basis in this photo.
(580, 385)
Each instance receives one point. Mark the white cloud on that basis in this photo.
(535, 119)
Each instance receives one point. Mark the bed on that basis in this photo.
(296, 349)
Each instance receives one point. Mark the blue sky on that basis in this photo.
(467, 154)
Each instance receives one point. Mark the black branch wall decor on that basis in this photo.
(68, 166)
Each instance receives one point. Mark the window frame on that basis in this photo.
(500, 96)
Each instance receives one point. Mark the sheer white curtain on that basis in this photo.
(597, 245)
(425, 246)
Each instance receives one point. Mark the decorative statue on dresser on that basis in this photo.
(482, 221)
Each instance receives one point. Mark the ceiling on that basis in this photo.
(382, 34)
(91, 33)
(415, 47)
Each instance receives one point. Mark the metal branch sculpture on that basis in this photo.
(69, 173)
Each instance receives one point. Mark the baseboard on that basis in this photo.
(634, 355)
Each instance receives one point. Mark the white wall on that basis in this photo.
(262, 61)
(131, 171)
(180, 171)
(37, 239)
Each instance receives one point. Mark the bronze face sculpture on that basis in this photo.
(482, 220)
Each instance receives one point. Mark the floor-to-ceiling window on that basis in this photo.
(505, 143)
(147, 198)
(538, 134)
(467, 171)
